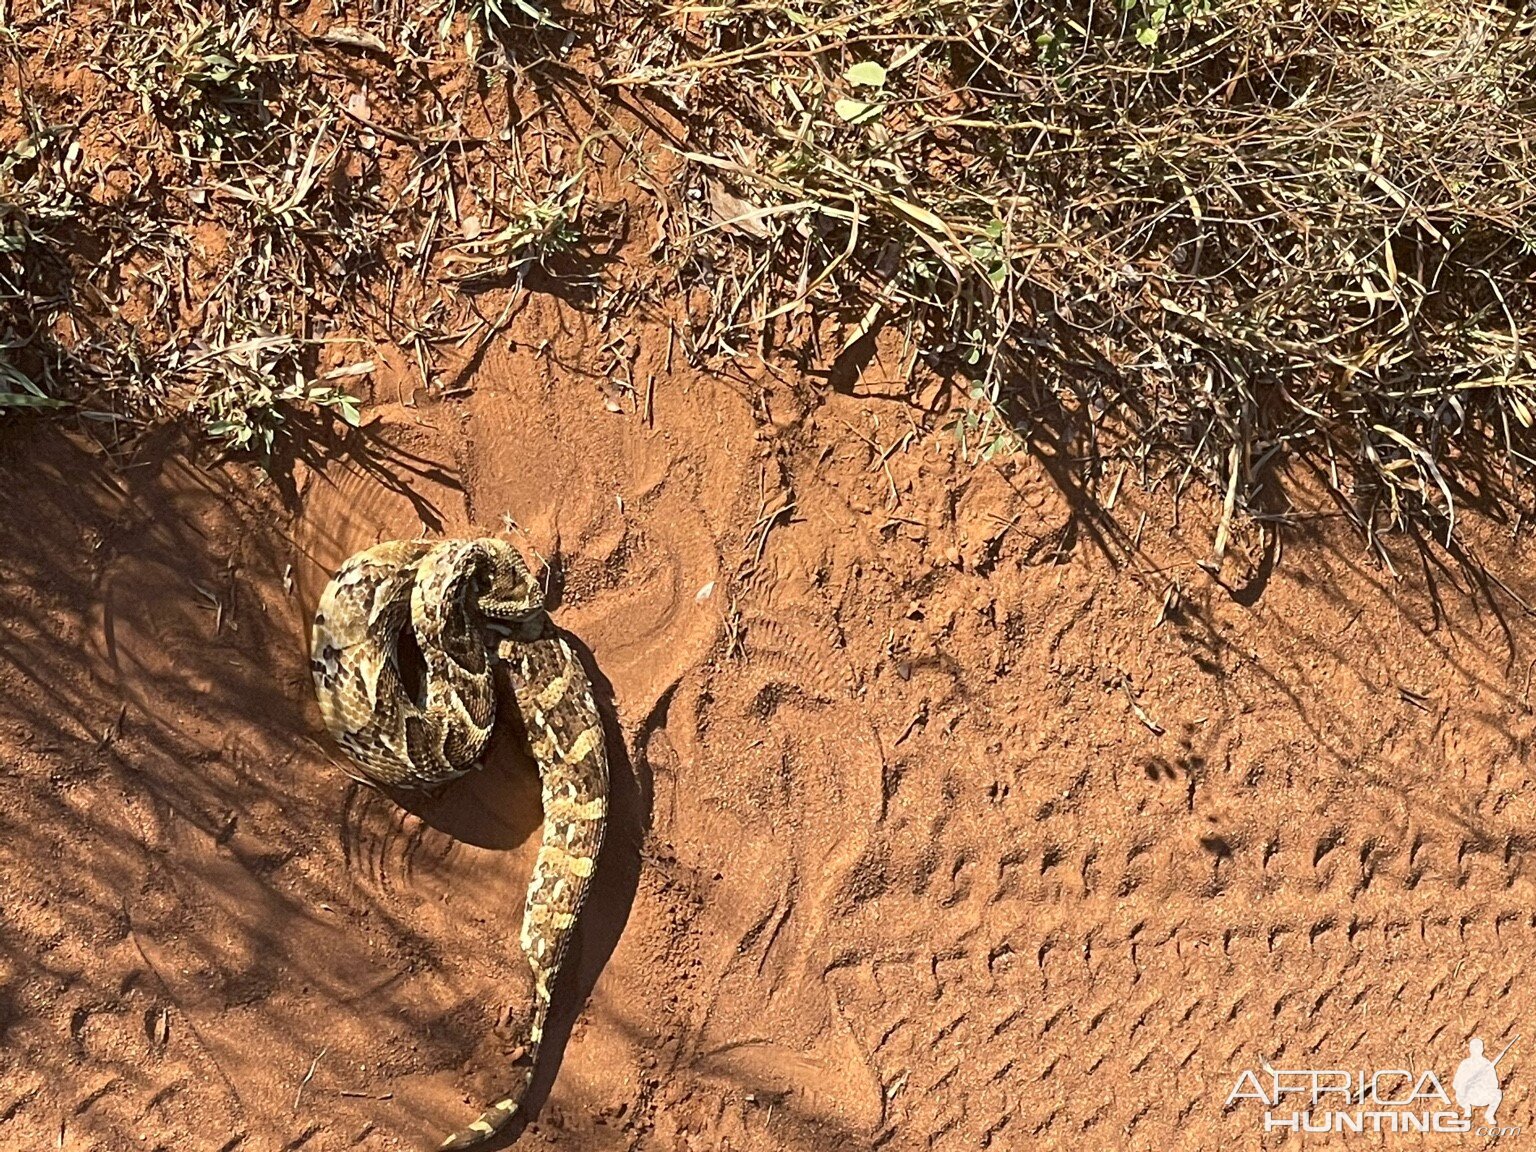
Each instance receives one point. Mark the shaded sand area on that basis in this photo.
(951, 811)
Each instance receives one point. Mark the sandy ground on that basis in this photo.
(950, 812)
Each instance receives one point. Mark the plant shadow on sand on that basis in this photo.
(167, 746)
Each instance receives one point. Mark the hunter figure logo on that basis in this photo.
(1340, 1100)
(1476, 1083)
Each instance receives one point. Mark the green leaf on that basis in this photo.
(856, 111)
(25, 400)
(866, 73)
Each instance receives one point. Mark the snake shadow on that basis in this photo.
(498, 807)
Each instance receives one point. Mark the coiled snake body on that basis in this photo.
(449, 596)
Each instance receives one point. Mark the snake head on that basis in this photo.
(326, 661)
(509, 592)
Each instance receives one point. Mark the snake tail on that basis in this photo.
(565, 735)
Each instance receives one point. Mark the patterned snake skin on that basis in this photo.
(448, 596)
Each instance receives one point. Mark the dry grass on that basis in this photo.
(231, 220)
(1207, 236)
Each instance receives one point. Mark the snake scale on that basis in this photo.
(419, 725)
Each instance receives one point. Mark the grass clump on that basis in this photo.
(1209, 235)
(245, 389)
(36, 206)
(253, 191)
(204, 76)
(1205, 236)
(534, 232)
